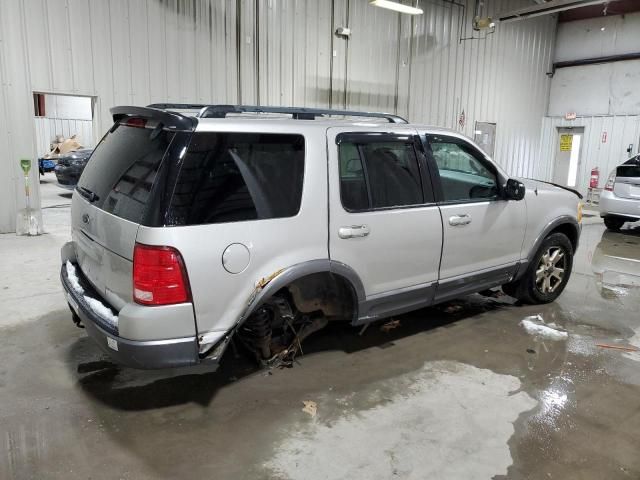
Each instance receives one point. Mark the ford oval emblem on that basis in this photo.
(85, 218)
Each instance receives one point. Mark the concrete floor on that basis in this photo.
(460, 391)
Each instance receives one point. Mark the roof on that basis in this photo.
(203, 117)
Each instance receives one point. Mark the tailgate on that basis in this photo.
(114, 196)
(104, 250)
(627, 182)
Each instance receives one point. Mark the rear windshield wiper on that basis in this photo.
(88, 194)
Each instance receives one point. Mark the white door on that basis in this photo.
(382, 223)
(482, 231)
(567, 162)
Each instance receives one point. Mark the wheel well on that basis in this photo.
(570, 231)
(327, 292)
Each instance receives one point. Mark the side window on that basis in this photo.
(379, 175)
(463, 175)
(232, 177)
(353, 187)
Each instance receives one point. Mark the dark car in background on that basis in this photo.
(70, 167)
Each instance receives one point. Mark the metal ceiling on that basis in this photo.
(619, 7)
(558, 6)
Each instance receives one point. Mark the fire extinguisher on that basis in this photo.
(595, 178)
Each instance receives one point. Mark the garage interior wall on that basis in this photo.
(605, 96)
(273, 52)
(621, 131)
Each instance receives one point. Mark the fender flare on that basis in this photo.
(549, 227)
(290, 274)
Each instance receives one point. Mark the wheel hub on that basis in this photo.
(550, 271)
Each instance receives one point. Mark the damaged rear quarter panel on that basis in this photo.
(220, 297)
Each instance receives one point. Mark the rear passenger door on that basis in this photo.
(383, 223)
(483, 232)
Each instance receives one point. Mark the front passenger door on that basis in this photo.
(483, 232)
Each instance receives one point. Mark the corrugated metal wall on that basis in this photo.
(273, 52)
(622, 131)
(48, 128)
(500, 80)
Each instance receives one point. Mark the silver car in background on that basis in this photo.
(620, 199)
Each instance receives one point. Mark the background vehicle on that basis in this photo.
(620, 199)
(71, 166)
(46, 165)
(188, 231)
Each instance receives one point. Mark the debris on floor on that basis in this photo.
(532, 326)
(453, 308)
(497, 293)
(618, 347)
(310, 407)
(390, 325)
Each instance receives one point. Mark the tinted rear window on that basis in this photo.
(123, 168)
(628, 171)
(231, 177)
(379, 175)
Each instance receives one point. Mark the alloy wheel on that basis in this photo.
(550, 271)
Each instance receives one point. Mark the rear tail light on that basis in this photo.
(159, 276)
(611, 181)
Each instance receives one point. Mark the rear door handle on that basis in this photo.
(459, 220)
(353, 231)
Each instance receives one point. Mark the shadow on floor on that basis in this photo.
(134, 390)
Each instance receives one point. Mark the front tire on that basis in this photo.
(614, 224)
(547, 275)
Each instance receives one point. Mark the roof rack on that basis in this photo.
(298, 113)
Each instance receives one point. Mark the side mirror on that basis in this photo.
(514, 190)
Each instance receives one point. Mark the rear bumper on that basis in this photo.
(150, 354)
(610, 204)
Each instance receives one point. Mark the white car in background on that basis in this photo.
(620, 199)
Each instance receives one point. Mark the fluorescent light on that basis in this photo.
(398, 7)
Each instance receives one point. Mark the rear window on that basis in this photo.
(232, 177)
(381, 174)
(628, 171)
(123, 168)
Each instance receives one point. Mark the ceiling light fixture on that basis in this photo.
(397, 7)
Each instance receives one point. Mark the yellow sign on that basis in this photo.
(565, 142)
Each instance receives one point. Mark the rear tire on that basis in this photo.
(613, 223)
(547, 275)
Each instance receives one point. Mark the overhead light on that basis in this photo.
(602, 29)
(395, 6)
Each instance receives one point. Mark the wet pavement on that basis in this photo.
(461, 390)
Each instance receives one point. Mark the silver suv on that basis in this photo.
(620, 199)
(263, 224)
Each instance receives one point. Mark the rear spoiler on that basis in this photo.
(170, 120)
(578, 194)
